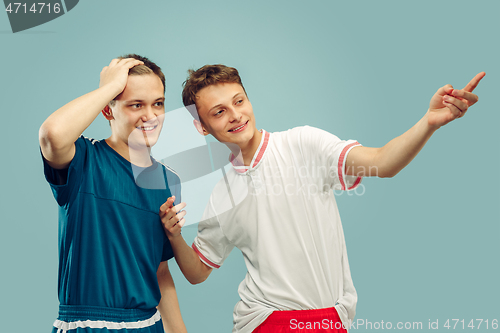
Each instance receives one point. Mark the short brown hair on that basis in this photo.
(203, 77)
(148, 67)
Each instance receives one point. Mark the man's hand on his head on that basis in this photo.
(116, 73)
(448, 104)
(172, 217)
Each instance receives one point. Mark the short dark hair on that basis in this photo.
(203, 77)
(148, 67)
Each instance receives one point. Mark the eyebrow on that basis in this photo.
(219, 105)
(140, 100)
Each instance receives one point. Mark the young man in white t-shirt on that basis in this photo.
(277, 205)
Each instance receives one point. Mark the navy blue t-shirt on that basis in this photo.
(111, 240)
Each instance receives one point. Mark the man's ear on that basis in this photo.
(108, 114)
(199, 127)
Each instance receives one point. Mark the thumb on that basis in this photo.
(445, 90)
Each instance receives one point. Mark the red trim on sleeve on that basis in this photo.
(356, 183)
(203, 257)
(340, 170)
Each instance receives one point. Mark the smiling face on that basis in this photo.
(227, 114)
(136, 117)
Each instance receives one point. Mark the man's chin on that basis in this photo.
(142, 144)
(241, 139)
(140, 139)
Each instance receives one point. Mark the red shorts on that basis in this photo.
(302, 321)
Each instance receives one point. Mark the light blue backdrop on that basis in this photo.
(422, 246)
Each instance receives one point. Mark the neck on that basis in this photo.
(139, 156)
(245, 152)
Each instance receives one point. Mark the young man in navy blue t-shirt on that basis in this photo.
(113, 252)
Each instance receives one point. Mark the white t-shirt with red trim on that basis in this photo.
(281, 213)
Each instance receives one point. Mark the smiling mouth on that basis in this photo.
(147, 128)
(238, 128)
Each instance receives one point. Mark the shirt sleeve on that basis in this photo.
(328, 155)
(174, 185)
(211, 244)
(65, 183)
(168, 252)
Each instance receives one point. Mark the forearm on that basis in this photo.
(169, 304)
(388, 160)
(63, 127)
(190, 264)
(400, 151)
(446, 105)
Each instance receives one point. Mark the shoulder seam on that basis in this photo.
(92, 141)
(169, 168)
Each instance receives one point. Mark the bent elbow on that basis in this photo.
(386, 176)
(44, 135)
(197, 280)
(49, 137)
(388, 173)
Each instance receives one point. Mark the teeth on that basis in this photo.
(147, 128)
(237, 128)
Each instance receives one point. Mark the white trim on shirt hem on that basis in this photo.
(64, 326)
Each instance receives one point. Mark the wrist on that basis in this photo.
(172, 237)
(112, 89)
(429, 126)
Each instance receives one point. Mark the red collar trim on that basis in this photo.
(257, 156)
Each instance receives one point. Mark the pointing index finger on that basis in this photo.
(474, 82)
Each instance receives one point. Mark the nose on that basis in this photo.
(148, 114)
(235, 115)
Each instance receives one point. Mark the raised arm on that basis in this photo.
(62, 128)
(190, 264)
(446, 105)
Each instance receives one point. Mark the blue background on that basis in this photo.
(422, 246)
